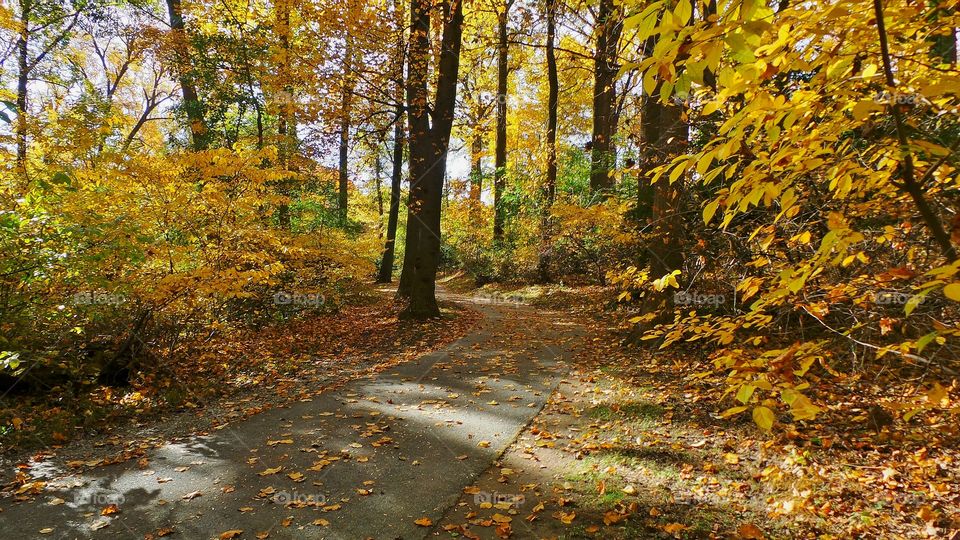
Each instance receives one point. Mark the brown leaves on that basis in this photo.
(232, 533)
(749, 531)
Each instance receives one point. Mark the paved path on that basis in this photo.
(364, 461)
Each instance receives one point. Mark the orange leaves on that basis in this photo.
(612, 517)
(749, 531)
(424, 521)
(566, 517)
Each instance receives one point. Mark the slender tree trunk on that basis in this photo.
(378, 182)
(192, 105)
(500, 146)
(909, 183)
(286, 121)
(609, 27)
(428, 148)
(385, 274)
(393, 215)
(476, 164)
(345, 102)
(553, 98)
(23, 73)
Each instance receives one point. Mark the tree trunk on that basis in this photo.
(23, 73)
(419, 129)
(378, 182)
(603, 158)
(666, 252)
(476, 164)
(385, 274)
(550, 187)
(345, 101)
(286, 121)
(428, 150)
(191, 102)
(500, 146)
(386, 263)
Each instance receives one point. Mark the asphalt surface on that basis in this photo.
(365, 461)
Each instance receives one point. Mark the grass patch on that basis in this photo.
(633, 410)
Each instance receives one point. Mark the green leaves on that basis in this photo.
(9, 360)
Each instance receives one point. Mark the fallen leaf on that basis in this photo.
(110, 510)
(282, 441)
(675, 528)
(749, 531)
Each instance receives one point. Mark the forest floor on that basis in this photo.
(454, 444)
(632, 446)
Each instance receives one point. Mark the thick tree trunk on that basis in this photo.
(192, 105)
(609, 27)
(664, 135)
(345, 102)
(428, 150)
(667, 250)
(419, 129)
(550, 185)
(500, 146)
